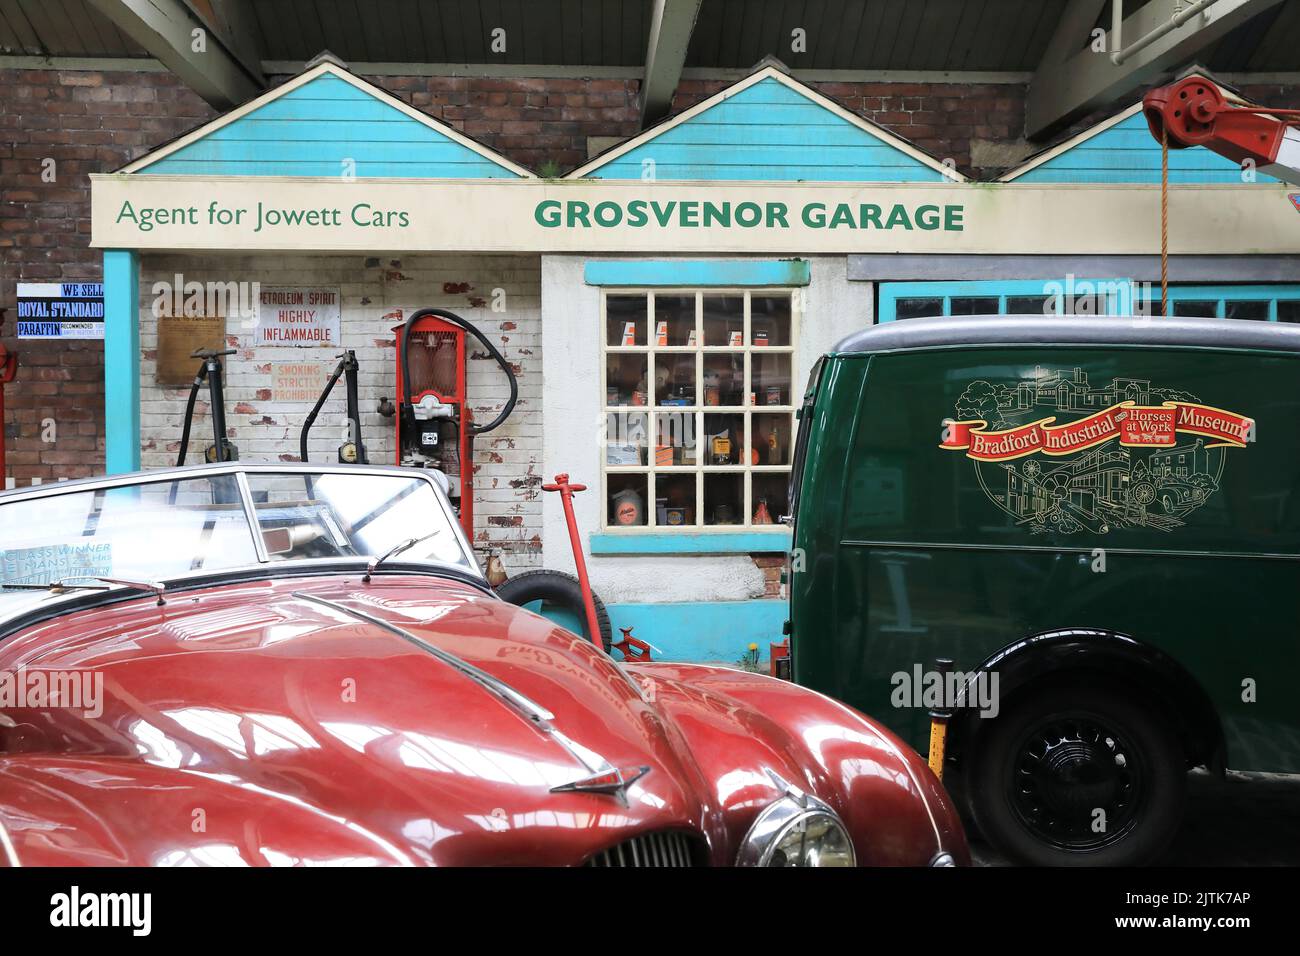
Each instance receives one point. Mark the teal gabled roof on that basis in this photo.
(1121, 149)
(768, 127)
(327, 122)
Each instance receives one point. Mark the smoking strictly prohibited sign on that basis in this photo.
(302, 317)
(297, 381)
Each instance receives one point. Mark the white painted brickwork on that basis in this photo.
(377, 294)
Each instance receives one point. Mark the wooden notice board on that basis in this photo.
(178, 337)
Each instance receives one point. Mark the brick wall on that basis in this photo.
(85, 123)
(377, 294)
(98, 121)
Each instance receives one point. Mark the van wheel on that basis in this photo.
(1078, 777)
(560, 590)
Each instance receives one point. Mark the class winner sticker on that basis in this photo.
(1134, 456)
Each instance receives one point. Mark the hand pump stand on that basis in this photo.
(353, 449)
(221, 449)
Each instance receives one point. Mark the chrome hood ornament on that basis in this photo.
(613, 781)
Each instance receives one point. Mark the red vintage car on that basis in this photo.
(279, 664)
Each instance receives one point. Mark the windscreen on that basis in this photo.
(160, 531)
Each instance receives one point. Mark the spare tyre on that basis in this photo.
(556, 595)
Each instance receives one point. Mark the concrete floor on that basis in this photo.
(1244, 819)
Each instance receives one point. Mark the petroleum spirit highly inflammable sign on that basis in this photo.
(1136, 455)
(298, 317)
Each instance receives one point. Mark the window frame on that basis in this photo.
(891, 292)
(742, 531)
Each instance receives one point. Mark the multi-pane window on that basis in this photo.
(1261, 303)
(698, 408)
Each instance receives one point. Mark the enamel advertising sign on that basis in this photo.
(1120, 454)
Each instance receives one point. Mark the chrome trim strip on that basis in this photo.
(250, 515)
(1061, 549)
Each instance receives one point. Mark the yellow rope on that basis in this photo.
(1164, 220)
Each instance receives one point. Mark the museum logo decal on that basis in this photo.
(1132, 454)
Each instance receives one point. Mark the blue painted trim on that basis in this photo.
(692, 542)
(891, 292)
(122, 360)
(699, 272)
(718, 631)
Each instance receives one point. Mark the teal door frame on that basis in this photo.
(121, 360)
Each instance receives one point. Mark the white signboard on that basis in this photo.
(748, 218)
(301, 317)
(60, 310)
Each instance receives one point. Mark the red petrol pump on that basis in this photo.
(435, 426)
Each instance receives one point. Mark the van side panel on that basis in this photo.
(1161, 529)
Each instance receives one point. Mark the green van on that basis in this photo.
(1097, 520)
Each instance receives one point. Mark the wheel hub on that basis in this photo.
(1075, 783)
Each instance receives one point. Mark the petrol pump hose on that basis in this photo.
(469, 327)
(189, 411)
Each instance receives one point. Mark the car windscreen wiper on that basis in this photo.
(65, 584)
(55, 587)
(394, 551)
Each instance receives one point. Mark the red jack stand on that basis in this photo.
(567, 491)
(634, 651)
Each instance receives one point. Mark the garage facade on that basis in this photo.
(662, 304)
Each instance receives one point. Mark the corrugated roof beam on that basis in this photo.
(219, 65)
(1065, 89)
(671, 25)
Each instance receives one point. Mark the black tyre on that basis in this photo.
(1078, 777)
(560, 589)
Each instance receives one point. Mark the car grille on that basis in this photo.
(669, 848)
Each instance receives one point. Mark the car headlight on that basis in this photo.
(797, 830)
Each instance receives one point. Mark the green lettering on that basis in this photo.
(842, 217)
(127, 212)
(750, 211)
(547, 213)
(663, 214)
(608, 214)
(952, 218)
(776, 215)
(636, 213)
(578, 214)
(713, 213)
(927, 217)
(898, 217)
(814, 215)
(869, 215)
